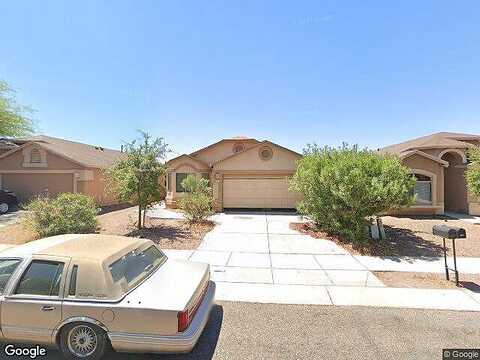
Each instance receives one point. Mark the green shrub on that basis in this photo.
(67, 213)
(473, 171)
(197, 201)
(343, 188)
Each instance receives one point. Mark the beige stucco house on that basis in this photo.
(243, 172)
(439, 162)
(44, 165)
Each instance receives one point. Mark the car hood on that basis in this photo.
(171, 287)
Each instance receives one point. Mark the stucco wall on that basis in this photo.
(222, 150)
(97, 188)
(282, 160)
(55, 162)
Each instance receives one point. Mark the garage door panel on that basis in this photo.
(27, 186)
(258, 193)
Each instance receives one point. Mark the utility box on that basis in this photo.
(449, 232)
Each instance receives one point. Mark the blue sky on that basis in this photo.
(366, 72)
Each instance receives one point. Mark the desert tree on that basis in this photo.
(14, 118)
(136, 176)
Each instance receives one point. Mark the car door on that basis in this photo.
(33, 308)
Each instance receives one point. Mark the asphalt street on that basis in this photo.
(263, 331)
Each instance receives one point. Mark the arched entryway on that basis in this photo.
(455, 186)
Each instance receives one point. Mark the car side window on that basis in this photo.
(73, 281)
(41, 278)
(7, 267)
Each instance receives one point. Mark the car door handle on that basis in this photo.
(48, 308)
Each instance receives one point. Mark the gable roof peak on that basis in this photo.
(83, 154)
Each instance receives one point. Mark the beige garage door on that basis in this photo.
(28, 185)
(270, 193)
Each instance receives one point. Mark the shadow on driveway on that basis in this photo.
(205, 348)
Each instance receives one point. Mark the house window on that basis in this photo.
(423, 189)
(178, 182)
(35, 156)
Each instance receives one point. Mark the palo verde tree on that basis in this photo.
(473, 171)
(14, 119)
(135, 177)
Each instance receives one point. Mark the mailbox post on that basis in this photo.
(453, 233)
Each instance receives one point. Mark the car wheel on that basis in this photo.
(4, 208)
(83, 341)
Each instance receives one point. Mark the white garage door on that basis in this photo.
(269, 193)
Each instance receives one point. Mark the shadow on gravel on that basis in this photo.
(406, 243)
(205, 348)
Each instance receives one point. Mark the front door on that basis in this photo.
(33, 309)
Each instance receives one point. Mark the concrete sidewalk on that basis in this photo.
(464, 217)
(323, 294)
(159, 211)
(466, 265)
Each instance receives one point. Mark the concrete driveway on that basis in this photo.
(260, 248)
(11, 218)
(255, 256)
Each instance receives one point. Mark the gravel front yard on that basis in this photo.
(408, 236)
(428, 280)
(168, 234)
(412, 236)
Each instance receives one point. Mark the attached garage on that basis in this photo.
(258, 192)
(27, 185)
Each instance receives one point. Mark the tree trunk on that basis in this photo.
(139, 217)
(139, 209)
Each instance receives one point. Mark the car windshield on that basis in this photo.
(7, 267)
(134, 266)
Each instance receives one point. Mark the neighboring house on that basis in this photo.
(439, 162)
(243, 172)
(43, 165)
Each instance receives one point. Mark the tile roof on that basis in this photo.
(438, 140)
(88, 155)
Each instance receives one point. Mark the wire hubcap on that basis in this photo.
(82, 341)
(3, 208)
